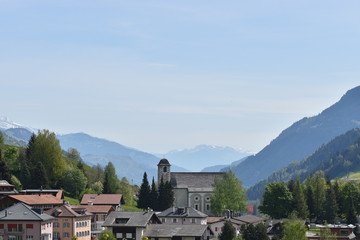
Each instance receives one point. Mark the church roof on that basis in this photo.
(182, 212)
(170, 231)
(195, 180)
(164, 161)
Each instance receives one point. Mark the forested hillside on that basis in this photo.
(302, 139)
(336, 159)
(42, 163)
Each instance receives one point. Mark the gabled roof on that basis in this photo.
(249, 219)
(133, 219)
(37, 199)
(65, 211)
(102, 199)
(195, 180)
(168, 231)
(94, 208)
(21, 211)
(182, 212)
(56, 192)
(214, 219)
(5, 183)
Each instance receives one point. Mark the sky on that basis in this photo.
(164, 75)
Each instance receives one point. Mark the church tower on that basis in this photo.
(164, 170)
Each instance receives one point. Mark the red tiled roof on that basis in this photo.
(37, 199)
(64, 211)
(102, 199)
(95, 208)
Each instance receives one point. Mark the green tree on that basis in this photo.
(330, 205)
(294, 229)
(73, 153)
(261, 233)
(144, 193)
(227, 231)
(249, 233)
(41, 180)
(166, 195)
(16, 182)
(277, 200)
(299, 200)
(45, 148)
(107, 234)
(351, 214)
(127, 190)
(4, 170)
(74, 182)
(154, 195)
(11, 159)
(111, 182)
(98, 187)
(228, 194)
(326, 234)
(1, 139)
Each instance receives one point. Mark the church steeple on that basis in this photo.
(164, 170)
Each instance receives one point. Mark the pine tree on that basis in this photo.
(41, 180)
(153, 196)
(227, 231)
(261, 233)
(166, 195)
(144, 193)
(4, 170)
(351, 215)
(330, 207)
(250, 233)
(299, 201)
(111, 182)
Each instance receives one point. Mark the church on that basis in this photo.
(191, 189)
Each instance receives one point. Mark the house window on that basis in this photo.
(163, 220)
(216, 229)
(196, 206)
(66, 234)
(197, 198)
(66, 225)
(128, 235)
(119, 235)
(29, 225)
(207, 207)
(56, 235)
(56, 225)
(175, 220)
(14, 227)
(1, 226)
(121, 220)
(165, 169)
(29, 237)
(15, 237)
(207, 199)
(193, 220)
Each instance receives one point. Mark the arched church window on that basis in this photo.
(165, 169)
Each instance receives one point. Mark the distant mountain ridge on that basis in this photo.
(202, 156)
(336, 159)
(302, 139)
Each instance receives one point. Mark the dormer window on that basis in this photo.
(121, 220)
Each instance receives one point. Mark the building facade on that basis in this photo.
(191, 189)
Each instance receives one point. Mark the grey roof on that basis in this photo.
(136, 219)
(21, 211)
(164, 161)
(250, 219)
(164, 230)
(195, 180)
(182, 212)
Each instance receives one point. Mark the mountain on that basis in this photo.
(9, 140)
(197, 158)
(336, 159)
(302, 139)
(5, 123)
(223, 168)
(21, 134)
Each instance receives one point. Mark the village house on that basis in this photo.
(98, 216)
(6, 189)
(178, 232)
(130, 225)
(342, 231)
(216, 223)
(35, 201)
(69, 223)
(115, 200)
(191, 189)
(182, 215)
(55, 192)
(20, 221)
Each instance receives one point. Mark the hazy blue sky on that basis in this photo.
(161, 75)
